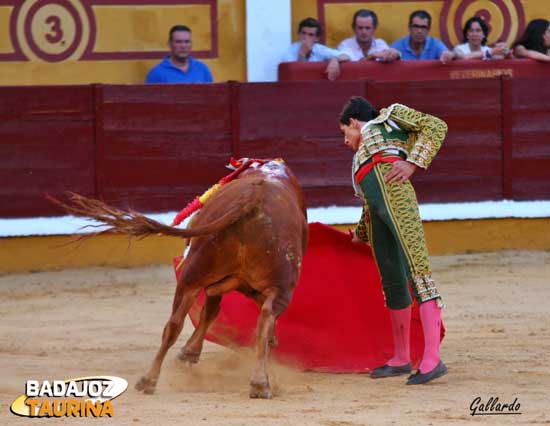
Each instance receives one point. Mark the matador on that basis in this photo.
(389, 145)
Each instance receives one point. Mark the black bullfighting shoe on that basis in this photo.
(419, 378)
(390, 371)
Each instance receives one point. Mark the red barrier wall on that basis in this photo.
(416, 70)
(529, 142)
(299, 122)
(160, 146)
(46, 146)
(154, 148)
(469, 164)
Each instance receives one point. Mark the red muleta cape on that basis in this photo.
(336, 321)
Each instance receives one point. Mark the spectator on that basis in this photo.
(475, 34)
(364, 45)
(418, 44)
(535, 41)
(180, 66)
(308, 49)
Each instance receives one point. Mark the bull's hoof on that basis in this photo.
(190, 357)
(260, 390)
(146, 385)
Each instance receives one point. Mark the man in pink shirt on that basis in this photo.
(363, 45)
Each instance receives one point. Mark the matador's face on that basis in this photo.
(352, 134)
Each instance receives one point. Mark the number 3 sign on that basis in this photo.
(52, 30)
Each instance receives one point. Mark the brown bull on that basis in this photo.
(249, 237)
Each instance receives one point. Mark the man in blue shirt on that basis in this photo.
(180, 67)
(308, 49)
(418, 44)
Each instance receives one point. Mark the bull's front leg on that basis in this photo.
(259, 384)
(192, 349)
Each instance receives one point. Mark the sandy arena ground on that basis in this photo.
(60, 325)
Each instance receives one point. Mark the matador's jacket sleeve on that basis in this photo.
(362, 228)
(426, 133)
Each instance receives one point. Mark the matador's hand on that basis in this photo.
(400, 172)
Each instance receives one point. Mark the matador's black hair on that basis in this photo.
(358, 108)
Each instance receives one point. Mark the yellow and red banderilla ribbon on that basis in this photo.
(239, 165)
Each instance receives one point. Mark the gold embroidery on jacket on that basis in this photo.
(424, 135)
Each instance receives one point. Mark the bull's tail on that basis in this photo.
(135, 224)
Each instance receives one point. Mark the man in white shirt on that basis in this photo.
(363, 45)
(308, 49)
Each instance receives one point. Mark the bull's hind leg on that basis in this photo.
(172, 330)
(273, 306)
(192, 349)
(272, 337)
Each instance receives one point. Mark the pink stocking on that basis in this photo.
(401, 330)
(430, 316)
